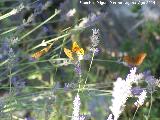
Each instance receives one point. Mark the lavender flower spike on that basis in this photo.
(141, 99)
(110, 117)
(78, 69)
(121, 92)
(76, 108)
(95, 37)
(82, 117)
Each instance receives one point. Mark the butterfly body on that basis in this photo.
(75, 51)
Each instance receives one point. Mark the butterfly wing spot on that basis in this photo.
(81, 51)
(68, 53)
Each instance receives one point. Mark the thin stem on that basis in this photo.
(59, 58)
(80, 78)
(150, 107)
(10, 90)
(135, 113)
(56, 12)
(89, 69)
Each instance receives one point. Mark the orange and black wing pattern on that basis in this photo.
(75, 49)
(68, 53)
(38, 54)
(135, 61)
(139, 58)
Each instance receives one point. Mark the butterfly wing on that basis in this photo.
(68, 53)
(37, 54)
(41, 52)
(80, 54)
(46, 49)
(75, 47)
(80, 51)
(139, 58)
(128, 59)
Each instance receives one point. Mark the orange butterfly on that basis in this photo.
(41, 52)
(135, 61)
(75, 49)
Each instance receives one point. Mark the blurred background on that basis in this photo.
(44, 88)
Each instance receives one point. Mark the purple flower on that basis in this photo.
(150, 80)
(5, 45)
(31, 59)
(97, 50)
(91, 19)
(94, 43)
(17, 83)
(137, 90)
(122, 91)
(11, 58)
(141, 98)
(28, 116)
(82, 117)
(45, 29)
(38, 8)
(95, 38)
(68, 86)
(78, 69)
(87, 56)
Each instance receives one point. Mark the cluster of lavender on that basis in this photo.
(76, 109)
(94, 41)
(67, 11)
(93, 49)
(91, 19)
(9, 54)
(123, 89)
(68, 15)
(39, 7)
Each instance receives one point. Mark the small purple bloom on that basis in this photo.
(97, 50)
(87, 56)
(78, 69)
(82, 117)
(45, 29)
(150, 80)
(1, 56)
(18, 83)
(38, 8)
(5, 45)
(137, 90)
(31, 59)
